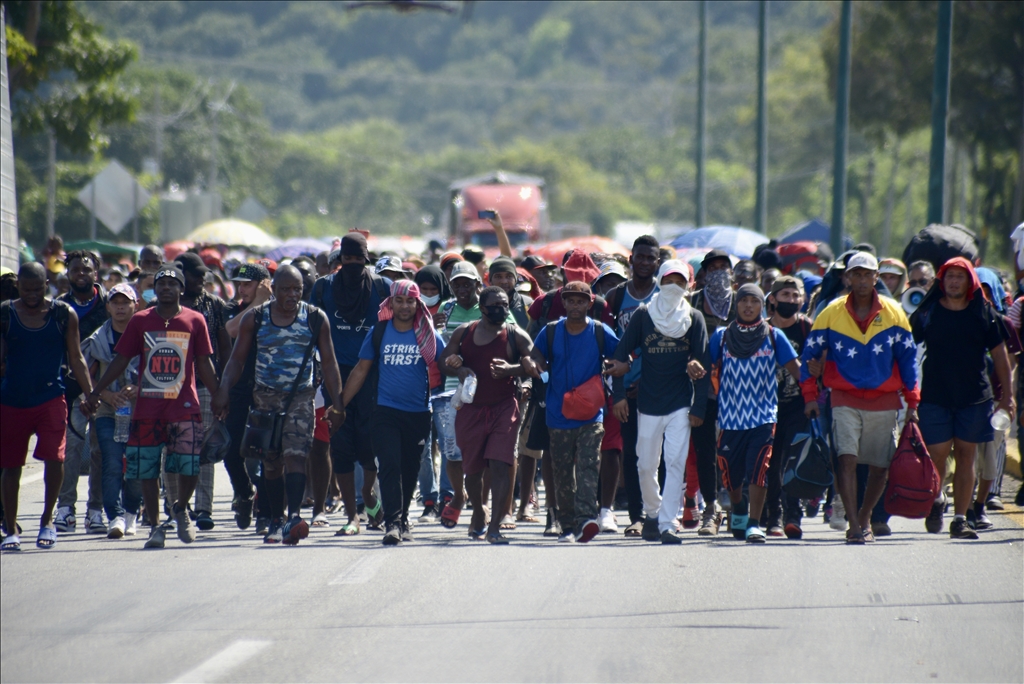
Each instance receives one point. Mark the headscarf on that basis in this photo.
(668, 308)
(422, 324)
(974, 286)
(744, 339)
(718, 293)
(433, 274)
(580, 267)
(901, 267)
(989, 277)
(353, 284)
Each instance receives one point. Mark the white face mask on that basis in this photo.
(672, 294)
(430, 301)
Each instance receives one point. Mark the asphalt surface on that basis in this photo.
(912, 607)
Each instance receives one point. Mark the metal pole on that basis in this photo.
(761, 212)
(51, 182)
(842, 129)
(702, 110)
(940, 110)
(135, 211)
(92, 210)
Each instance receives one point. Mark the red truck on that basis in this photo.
(519, 199)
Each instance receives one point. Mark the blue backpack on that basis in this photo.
(808, 471)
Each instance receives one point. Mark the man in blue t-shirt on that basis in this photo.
(400, 424)
(746, 353)
(351, 297)
(572, 357)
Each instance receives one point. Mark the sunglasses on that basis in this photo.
(923, 282)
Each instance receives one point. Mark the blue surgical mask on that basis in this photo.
(148, 295)
(430, 301)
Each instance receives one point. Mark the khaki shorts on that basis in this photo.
(870, 435)
(525, 424)
(991, 457)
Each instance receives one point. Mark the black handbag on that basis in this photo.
(264, 429)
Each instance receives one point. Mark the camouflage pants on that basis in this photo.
(575, 458)
(297, 436)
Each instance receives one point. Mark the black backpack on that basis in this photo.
(808, 470)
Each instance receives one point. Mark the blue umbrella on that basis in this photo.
(738, 242)
(296, 247)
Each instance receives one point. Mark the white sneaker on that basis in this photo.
(606, 520)
(129, 524)
(94, 522)
(567, 538)
(838, 519)
(64, 520)
(116, 529)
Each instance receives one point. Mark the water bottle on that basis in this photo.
(122, 421)
(469, 390)
(1000, 420)
(456, 400)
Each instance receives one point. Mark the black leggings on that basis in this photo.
(398, 438)
(705, 444)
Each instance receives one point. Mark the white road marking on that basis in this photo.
(224, 661)
(361, 571)
(32, 478)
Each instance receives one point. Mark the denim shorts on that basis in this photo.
(969, 423)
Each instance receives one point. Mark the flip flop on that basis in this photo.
(332, 505)
(478, 535)
(854, 537)
(320, 520)
(11, 543)
(507, 523)
(47, 538)
(349, 530)
(374, 515)
(868, 535)
(634, 530)
(450, 516)
(522, 517)
(497, 538)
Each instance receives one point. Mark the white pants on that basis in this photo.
(674, 429)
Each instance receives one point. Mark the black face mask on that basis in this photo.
(786, 309)
(495, 314)
(352, 274)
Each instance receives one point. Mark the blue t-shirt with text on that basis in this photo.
(748, 390)
(402, 383)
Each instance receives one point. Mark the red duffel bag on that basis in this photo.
(914, 482)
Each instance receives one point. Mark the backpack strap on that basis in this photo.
(5, 317)
(549, 333)
(62, 314)
(545, 309)
(618, 295)
(510, 337)
(378, 337)
(383, 291)
(599, 334)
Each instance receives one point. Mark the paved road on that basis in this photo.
(914, 607)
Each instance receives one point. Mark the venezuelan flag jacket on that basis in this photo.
(868, 363)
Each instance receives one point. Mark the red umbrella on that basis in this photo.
(554, 251)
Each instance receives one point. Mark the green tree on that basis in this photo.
(64, 74)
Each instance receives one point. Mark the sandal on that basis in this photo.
(47, 538)
(478, 535)
(349, 530)
(854, 537)
(374, 515)
(11, 543)
(450, 516)
(868, 535)
(507, 523)
(635, 529)
(332, 505)
(497, 538)
(523, 517)
(320, 520)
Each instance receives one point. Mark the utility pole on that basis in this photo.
(702, 111)
(51, 182)
(761, 211)
(940, 111)
(842, 129)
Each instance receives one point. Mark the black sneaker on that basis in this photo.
(393, 537)
(243, 513)
(1019, 498)
(933, 523)
(813, 506)
(793, 530)
(553, 528)
(406, 531)
(670, 537)
(994, 503)
(958, 529)
(650, 532)
(977, 519)
(262, 526)
(204, 521)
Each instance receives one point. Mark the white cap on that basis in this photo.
(862, 260)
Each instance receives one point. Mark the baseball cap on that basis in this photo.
(464, 269)
(612, 267)
(862, 260)
(191, 262)
(894, 266)
(714, 254)
(787, 283)
(248, 272)
(169, 270)
(124, 289)
(449, 257)
(676, 266)
(577, 287)
(535, 261)
(502, 264)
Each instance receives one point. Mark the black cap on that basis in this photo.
(191, 262)
(715, 254)
(248, 272)
(534, 261)
(502, 264)
(169, 271)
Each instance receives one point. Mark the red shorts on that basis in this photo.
(321, 429)
(48, 421)
(487, 433)
(612, 430)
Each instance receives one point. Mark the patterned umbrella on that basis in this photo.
(739, 242)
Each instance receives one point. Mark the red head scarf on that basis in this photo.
(960, 262)
(423, 323)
